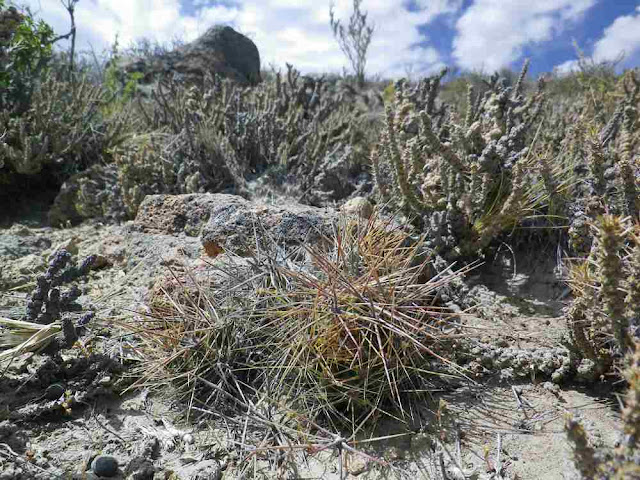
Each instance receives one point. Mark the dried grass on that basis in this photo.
(18, 337)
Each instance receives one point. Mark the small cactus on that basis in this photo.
(47, 302)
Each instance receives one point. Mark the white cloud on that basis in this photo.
(622, 36)
(493, 33)
(566, 67)
(294, 31)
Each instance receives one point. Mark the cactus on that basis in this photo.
(224, 135)
(624, 461)
(47, 303)
(463, 182)
(602, 319)
(611, 169)
(609, 270)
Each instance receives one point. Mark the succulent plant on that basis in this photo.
(463, 179)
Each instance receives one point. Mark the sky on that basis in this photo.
(411, 37)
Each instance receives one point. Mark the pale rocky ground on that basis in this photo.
(147, 432)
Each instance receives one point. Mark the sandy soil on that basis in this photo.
(57, 413)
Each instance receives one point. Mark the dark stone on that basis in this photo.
(105, 466)
(238, 52)
(220, 50)
(54, 391)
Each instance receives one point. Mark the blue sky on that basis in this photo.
(413, 37)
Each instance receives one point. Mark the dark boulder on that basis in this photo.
(221, 50)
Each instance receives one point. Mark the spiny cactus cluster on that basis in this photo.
(624, 461)
(603, 317)
(609, 175)
(48, 302)
(463, 179)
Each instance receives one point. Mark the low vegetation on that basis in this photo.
(344, 334)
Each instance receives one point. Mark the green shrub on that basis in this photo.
(112, 78)
(25, 49)
(54, 125)
(62, 130)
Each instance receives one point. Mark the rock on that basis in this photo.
(105, 466)
(229, 222)
(139, 468)
(54, 391)
(141, 256)
(220, 50)
(16, 243)
(170, 214)
(357, 465)
(92, 193)
(359, 206)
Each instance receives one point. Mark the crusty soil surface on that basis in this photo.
(508, 427)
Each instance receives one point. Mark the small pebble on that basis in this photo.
(552, 387)
(105, 466)
(357, 466)
(396, 454)
(54, 391)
